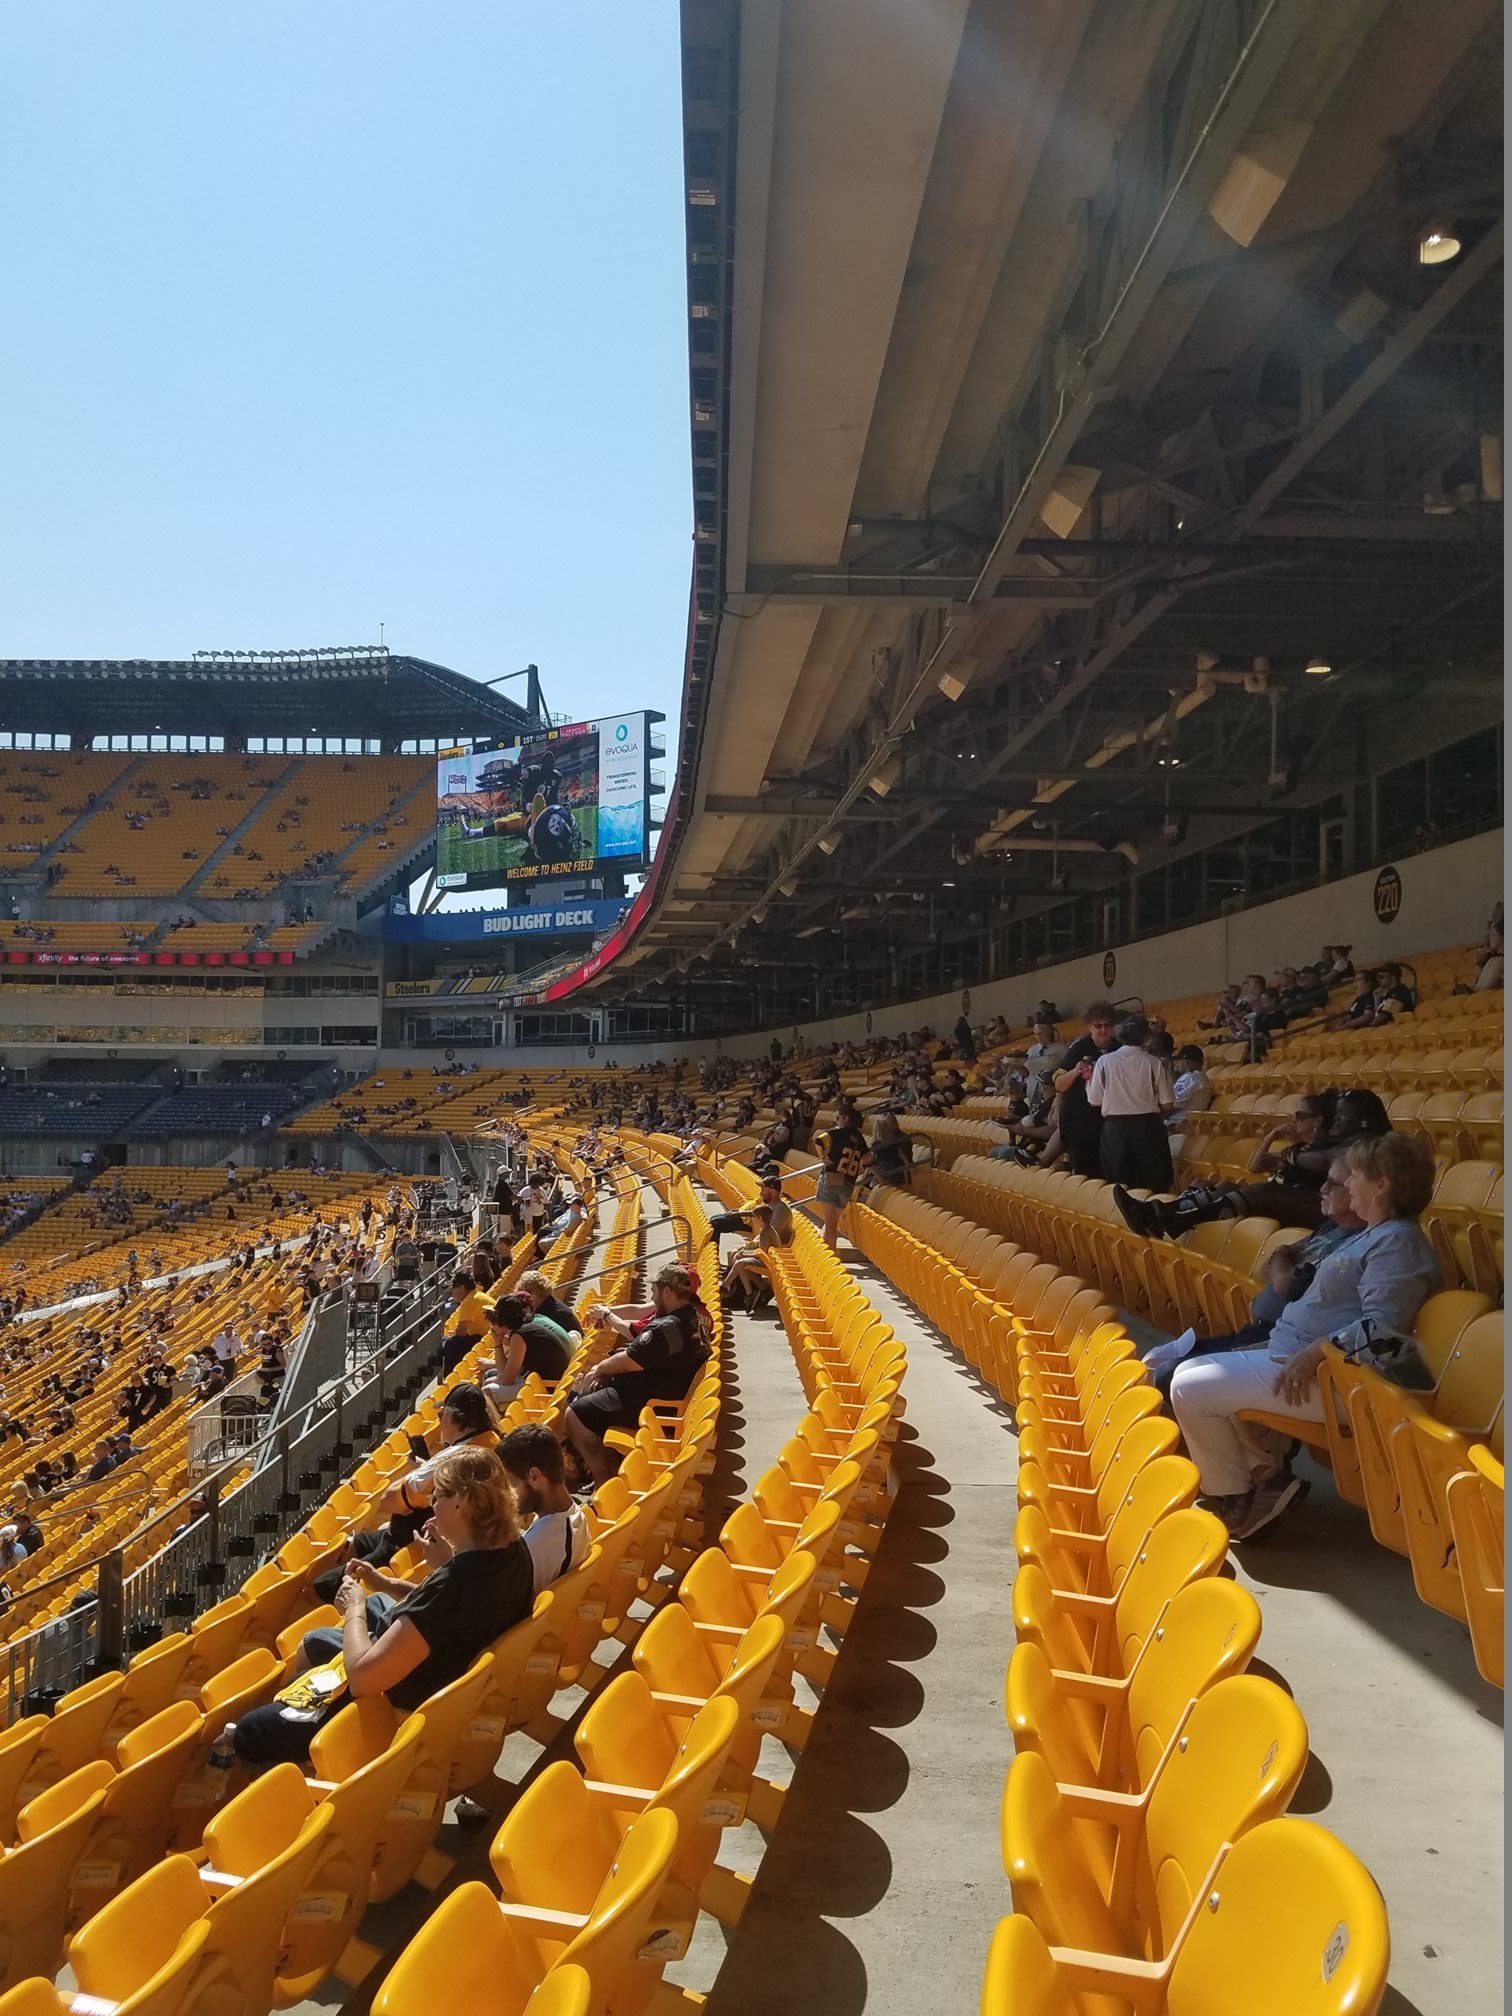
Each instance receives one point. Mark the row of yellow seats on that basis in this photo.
(1140, 1828)
(1142, 1820)
(1417, 1463)
(583, 1865)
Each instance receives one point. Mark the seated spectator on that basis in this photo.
(524, 1342)
(1323, 1124)
(104, 1462)
(1364, 1296)
(466, 1420)
(748, 1282)
(1287, 1273)
(664, 1349)
(538, 1292)
(1193, 1089)
(467, 1323)
(404, 1642)
(892, 1154)
(1490, 964)
(557, 1536)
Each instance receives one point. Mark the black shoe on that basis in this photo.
(1137, 1214)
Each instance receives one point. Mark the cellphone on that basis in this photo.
(418, 1449)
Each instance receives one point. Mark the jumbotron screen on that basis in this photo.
(567, 802)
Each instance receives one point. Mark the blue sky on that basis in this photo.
(324, 314)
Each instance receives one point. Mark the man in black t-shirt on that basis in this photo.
(660, 1360)
(1080, 1123)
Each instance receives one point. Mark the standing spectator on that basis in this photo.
(965, 1042)
(845, 1153)
(1132, 1091)
(1080, 1123)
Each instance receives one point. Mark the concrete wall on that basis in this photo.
(1446, 898)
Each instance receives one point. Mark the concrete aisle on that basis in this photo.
(881, 1885)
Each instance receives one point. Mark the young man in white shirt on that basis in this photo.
(1132, 1090)
(557, 1537)
(226, 1345)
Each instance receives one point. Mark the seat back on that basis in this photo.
(467, 1956)
(1166, 1485)
(142, 1934)
(1207, 1631)
(247, 1922)
(1327, 1951)
(1244, 1748)
(341, 1876)
(607, 1947)
(36, 1875)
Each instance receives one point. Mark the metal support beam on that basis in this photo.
(1467, 273)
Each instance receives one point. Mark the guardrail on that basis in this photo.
(211, 1543)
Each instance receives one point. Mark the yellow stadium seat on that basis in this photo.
(1103, 1634)
(580, 1893)
(1090, 1508)
(1242, 1751)
(1467, 1399)
(1477, 1516)
(1293, 1922)
(410, 1826)
(36, 1875)
(339, 1883)
(467, 1956)
(637, 1763)
(134, 1824)
(143, 1981)
(150, 1683)
(74, 1735)
(1097, 1563)
(1112, 1733)
(18, 1745)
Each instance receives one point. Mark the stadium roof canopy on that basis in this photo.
(371, 693)
(1096, 419)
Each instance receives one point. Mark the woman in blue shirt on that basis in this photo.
(1372, 1285)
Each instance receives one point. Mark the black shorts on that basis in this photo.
(604, 1408)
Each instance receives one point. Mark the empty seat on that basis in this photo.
(467, 1956)
(1294, 1923)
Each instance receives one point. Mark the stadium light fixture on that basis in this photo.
(788, 886)
(1318, 668)
(885, 776)
(1438, 244)
(828, 842)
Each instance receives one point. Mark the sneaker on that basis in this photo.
(1139, 1216)
(1234, 1511)
(1269, 1501)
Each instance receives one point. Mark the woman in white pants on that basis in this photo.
(1373, 1284)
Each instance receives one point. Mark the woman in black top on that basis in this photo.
(524, 1343)
(1079, 1123)
(407, 1642)
(1324, 1124)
